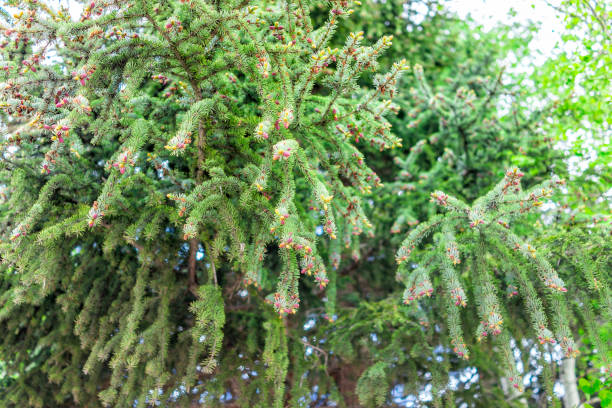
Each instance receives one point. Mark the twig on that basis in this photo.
(193, 278)
(321, 351)
(213, 270)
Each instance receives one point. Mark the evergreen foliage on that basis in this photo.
(484, 232)
(197, 198)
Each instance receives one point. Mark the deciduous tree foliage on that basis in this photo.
(193, 214)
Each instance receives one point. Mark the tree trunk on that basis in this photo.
(571, 398)
(345, 376)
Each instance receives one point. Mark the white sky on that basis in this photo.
(488, 13)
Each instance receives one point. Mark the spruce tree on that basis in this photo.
(190, 186)
(163, 134)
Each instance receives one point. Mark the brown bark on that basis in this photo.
(346, 376)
